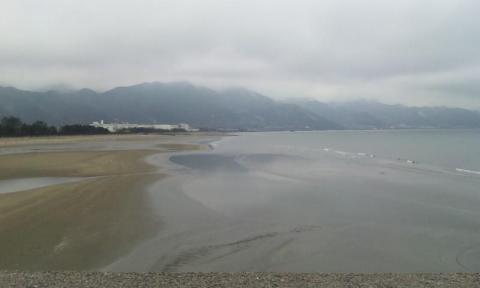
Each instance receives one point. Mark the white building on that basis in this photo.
(115, 127)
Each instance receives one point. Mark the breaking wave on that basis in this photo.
(467, 171)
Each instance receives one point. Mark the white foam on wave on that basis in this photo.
(349, 154)
(408, 161)
(467, 171)
(363, 154)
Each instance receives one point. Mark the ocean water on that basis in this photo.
(449, 149)
(343, 201)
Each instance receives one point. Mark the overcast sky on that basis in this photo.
(417, 52)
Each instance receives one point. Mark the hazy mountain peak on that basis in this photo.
(86, 91)
(232, 108)
(60, 88)
(9, 88)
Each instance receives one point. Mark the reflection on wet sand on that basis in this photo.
(23, 184)
(247, 205)
(234, 210)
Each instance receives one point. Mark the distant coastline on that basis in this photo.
(231, 109)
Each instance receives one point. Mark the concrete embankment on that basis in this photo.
(171, 280)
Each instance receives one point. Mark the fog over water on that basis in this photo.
(347, 201)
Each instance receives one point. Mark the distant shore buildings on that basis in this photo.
(115, 127)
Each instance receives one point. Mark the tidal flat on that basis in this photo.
(50, 223)
(330, 202)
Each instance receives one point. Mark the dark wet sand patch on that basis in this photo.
(209, 162)
(182, 147)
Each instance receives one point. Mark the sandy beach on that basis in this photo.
(48, 140)
(264, 202)
(87, 223)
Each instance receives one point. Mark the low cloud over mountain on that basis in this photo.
(235, 108)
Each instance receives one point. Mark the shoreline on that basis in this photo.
(221, 218)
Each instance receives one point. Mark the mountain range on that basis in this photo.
(364, 114)
(230, 109)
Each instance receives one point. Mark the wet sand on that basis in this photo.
(240, 208)
(22, 184)
(77, 226)
(237, 210)
(88, 223)
(73, 164)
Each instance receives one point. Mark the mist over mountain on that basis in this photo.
(235, 108)
(162, 103)
(364, 114)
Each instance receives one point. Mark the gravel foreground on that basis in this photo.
(144, 280)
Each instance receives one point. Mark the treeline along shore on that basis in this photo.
(15, 127)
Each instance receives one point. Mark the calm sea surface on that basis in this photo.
(343, 201)
(446, 148)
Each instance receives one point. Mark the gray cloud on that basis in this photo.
(415, 52)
